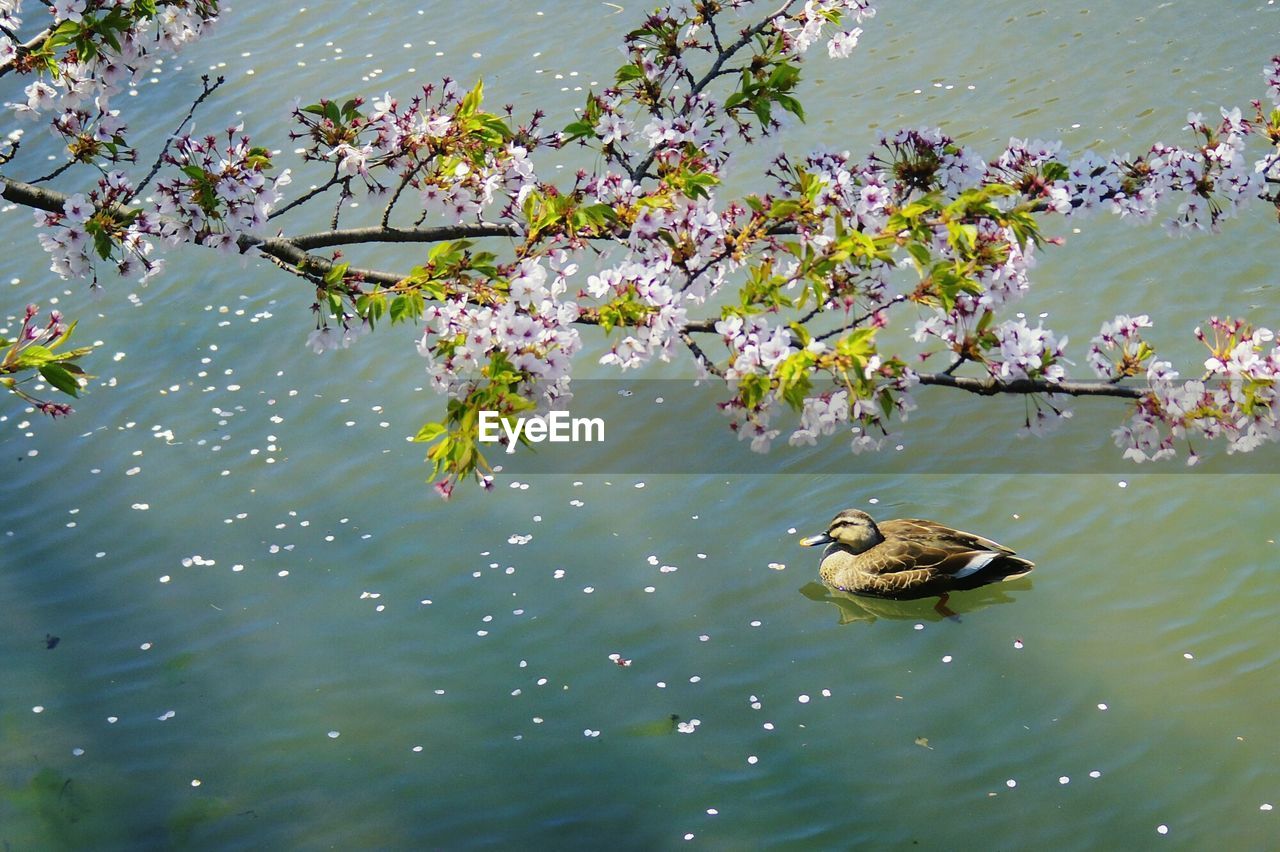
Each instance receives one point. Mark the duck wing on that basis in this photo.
(918, 529)
(928, 557)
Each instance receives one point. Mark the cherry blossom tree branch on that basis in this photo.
(294, 252)
(34, 43)
(29, 195)
(692, 345)
(991, 386)
(378, 234)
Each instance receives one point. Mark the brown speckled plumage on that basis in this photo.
(909, 558)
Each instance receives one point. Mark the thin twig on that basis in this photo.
(303, 199)
(342, 197)
(56, 172)
(871, 313)
(155, 167)
(711, 25)
(700, 355)
(853, 323)
(395, 196)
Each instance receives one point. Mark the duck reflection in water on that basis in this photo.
(869, 609)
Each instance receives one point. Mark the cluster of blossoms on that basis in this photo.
(612, 126)
(465, 164)
(38, 339)
(1236, 399)
(33, 333)
(115, 37)
(820, 416)
(646, 288)
(804, 29)
(329, 337)
(218, 193)
(1213, 179)
(100, 227)
(858, 191)
(532, 331)
(1002, 284)
(863, 394)
(673, 259)
(755, 348)
(698, 124)
(470, 191)
(1119, 350)
(1026, 353)
(1022, 165)
(868, 424)
(923, 159)
(98, 47)
(754, 345)
(1271, 73)
(9, 19)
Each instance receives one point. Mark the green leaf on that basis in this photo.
(762, 111)
(34, 355)
(886, 403)
(371, 306)
(472, 101)
(407, 307)
(859, 343)
(1055, 171)
(752, 388)
(790, 104)
(102, 244)
(447, 252)
(335, 305)
(627, 73)
(429, 432)
(61, 378)
(802, 333)
(784, 207)
(65, 336)
(920, 253)
(336, 273)
(962, 237)
(578, 130)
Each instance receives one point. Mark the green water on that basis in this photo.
(461, 652)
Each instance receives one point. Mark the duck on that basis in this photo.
(909, 558)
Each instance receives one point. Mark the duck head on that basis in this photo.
(852, 529)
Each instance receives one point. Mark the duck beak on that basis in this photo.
(821, 538)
